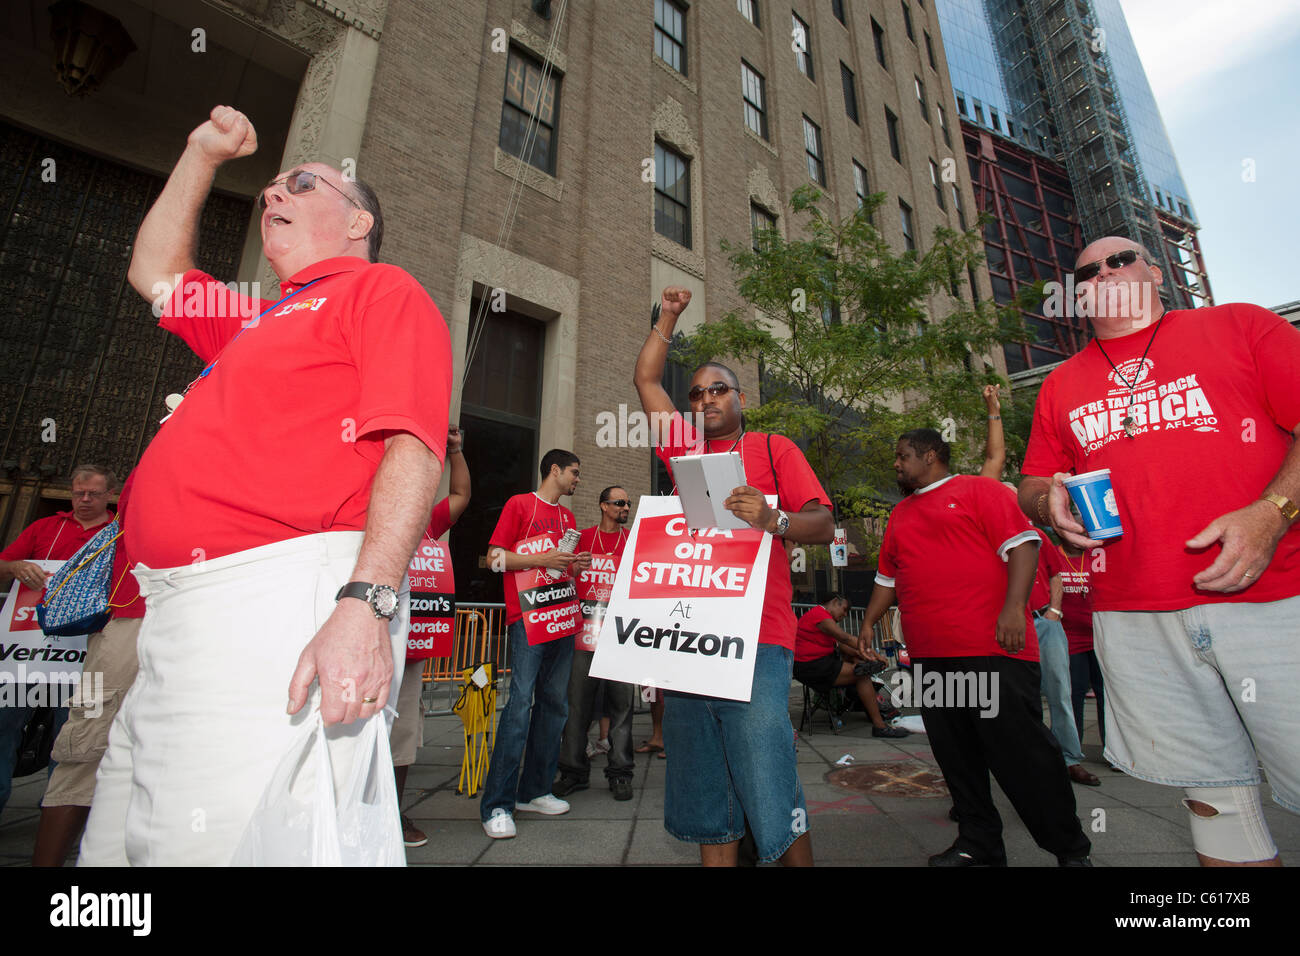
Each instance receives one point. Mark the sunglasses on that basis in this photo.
(1118, 261)
(717, 390)
(617, 502)
(301, 182)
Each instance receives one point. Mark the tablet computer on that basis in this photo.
(704, 482)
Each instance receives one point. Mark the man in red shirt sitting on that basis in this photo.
(826, 656)
(959, 559)
(275, 512)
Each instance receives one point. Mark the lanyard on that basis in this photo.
(173, 400)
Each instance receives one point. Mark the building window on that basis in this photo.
(920, 98)
(929, 49)
(850, 93)
(837, 8)
(751, 88)
(749, 10)
(996, 120)
(878, 38)
(907, 21)
(528, 98)
(760, 220)
(943, 124)
(956, 204)
(860, 183)
(672, 196)
(961, 102)
(891, 122)
(802, 45)
(670, 34)
(812, 146)
(909, 237)
(937, 183)
(979, 113)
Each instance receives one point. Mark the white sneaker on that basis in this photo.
(499, 826)
(547, 803)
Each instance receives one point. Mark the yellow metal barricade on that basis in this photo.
(477, 707)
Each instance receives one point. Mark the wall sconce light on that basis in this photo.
(88, 45)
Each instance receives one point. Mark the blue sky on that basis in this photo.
(1226, 77)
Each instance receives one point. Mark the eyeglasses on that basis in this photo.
(617, 502)
(89, 495)
(1118, 261)
(717, 390)
(301, 182)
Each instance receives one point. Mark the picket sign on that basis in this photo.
(594, 587)
(433, 602)
(686, 609)
(549, 606)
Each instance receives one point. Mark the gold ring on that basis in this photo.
(1248, 574)
(369, 700)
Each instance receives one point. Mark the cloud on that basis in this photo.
(1186, 43)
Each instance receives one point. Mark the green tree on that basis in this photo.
(848, 356)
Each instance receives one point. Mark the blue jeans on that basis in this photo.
(731, 762)
(1054, 661)
(12, 722)
(528, 731)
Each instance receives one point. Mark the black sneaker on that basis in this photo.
(567, 785)
(888, 731)
(955, 857)
(1084, 860)
(621, 789)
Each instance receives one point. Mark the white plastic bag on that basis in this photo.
(361, 828)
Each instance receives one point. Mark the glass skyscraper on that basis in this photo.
(1065, 145)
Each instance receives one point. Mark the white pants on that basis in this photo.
(204, 726)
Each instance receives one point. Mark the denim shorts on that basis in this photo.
(730, 761)
(1200, 697)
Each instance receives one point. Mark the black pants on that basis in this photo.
(1013, 744)
(1085, 673)
(619, 701)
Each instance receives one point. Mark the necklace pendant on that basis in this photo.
(1130, 427)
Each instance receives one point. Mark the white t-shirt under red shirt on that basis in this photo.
(1216, 401)
(944, 553)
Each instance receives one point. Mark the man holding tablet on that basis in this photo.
(732, 760)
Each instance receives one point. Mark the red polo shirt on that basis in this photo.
(597, 542)
(945, 552)
(55, 538)
(798, 486)
(283, 437)
(810, 641)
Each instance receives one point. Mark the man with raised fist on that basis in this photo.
(275, 513)
(734, 761)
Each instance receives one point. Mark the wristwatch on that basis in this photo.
(782, 523)
(1287, 506)
(381, 598)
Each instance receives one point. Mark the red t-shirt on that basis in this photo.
(798, 486)
(810, 641)
(440, 521)
(1050, 564)
(525, 516)
(55, 538)
(1075, 605)
(285, 434)
(124, 590)
(593, 540)
(944, 552)
(1215, 405)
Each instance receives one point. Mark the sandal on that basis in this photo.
(648, 748)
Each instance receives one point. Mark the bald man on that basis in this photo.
(1197, 605)
(276, 511)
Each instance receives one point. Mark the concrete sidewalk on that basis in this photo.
(1144, 824)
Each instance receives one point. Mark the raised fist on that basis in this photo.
(226, 135)
(990, 394)
(675, 300)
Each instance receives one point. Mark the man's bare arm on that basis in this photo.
(1022, 563)
(995, 447)
(1046, 502)
(458, 482)
(165, 245)
(1249, 535)
(351, 654)
(882, 599)
(649, 372)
